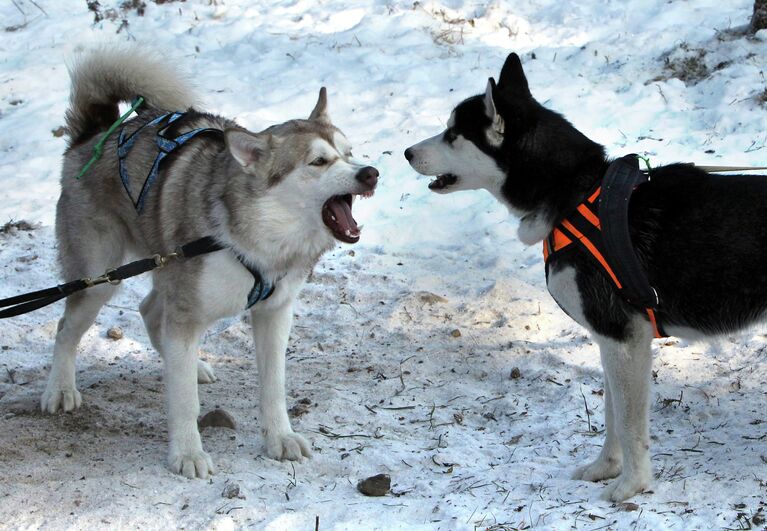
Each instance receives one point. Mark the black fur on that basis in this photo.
(701, 237)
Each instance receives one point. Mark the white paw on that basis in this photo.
(599, 469)
(57, 397)
(205, 374)
(289, 445)
(625, 487)
(192, 464)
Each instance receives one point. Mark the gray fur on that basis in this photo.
(255, 192)
(129, 72)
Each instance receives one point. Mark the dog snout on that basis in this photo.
(368, 175)
(409, 154)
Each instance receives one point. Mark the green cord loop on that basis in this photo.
(646, 161)
(98, 149)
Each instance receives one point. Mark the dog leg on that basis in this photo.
(178, 342)
(271, 329)
(628, 368)
(80, 311)
(608, 464)
(88, 244)
(151, 312)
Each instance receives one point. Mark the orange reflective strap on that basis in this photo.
(595, 195)
(654, 323)
(593, 250)
(545, 249)
(589, 215)
(560, 240)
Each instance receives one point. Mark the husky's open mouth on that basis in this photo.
(337, 215)
(443, 181)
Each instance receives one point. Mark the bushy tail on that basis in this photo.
(104, 77)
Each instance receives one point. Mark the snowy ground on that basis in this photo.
(381, 381)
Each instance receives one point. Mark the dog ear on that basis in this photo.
(245, 147)
(491, 111)
(320, 112)
(512, 76)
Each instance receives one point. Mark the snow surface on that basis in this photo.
(390, 388)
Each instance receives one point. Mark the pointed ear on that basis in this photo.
(490, 109)
(246, 147)
(492, 112)
(512, 76)
(320, 112)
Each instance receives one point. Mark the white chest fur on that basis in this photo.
(563, 288)
(224, 285)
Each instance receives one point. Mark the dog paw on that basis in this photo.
(205, 374)
(193, 464)
(290, 446)
(624, 488)
(601, 468)
(65, 398)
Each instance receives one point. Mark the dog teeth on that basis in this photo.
(333, 218)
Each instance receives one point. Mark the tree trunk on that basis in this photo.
(759, 18)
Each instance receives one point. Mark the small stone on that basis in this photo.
(628, 507)
(430, 298)
(59, 131)
(218, 418)
(115, 333)
(515, 373)
(378, 485)
(300, 408)
(456, 333)
(231, 491)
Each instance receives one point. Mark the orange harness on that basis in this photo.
(584, 227)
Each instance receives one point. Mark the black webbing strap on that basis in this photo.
(622, 177)
(37, 299)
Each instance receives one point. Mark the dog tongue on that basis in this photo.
(337, 215)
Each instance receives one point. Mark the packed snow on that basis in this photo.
(430, 351)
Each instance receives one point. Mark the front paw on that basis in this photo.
(625, 487)
(601, 468)
(192, 464)
(58, 397)
(287, 445)
(205, 374)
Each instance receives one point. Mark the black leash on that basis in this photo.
(37, 299)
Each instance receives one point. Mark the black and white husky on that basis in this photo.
(698, 236)
(275, 200)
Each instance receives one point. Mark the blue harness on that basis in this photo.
(261, 289)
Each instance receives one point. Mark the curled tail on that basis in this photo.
(104, 77)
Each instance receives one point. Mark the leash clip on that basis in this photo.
(162, 261)
(102, 279)
(105, 278)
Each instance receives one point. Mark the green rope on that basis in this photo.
(98, 149)
(646, 161)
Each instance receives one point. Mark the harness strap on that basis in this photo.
(166, 147)
(604, 234)
(622, 177)
(261, 289)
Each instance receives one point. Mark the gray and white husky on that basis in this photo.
(276, 200)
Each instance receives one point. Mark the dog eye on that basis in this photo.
(319, 161)
(450, 136)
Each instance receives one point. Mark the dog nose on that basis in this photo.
(368, 175)
(409, 154)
